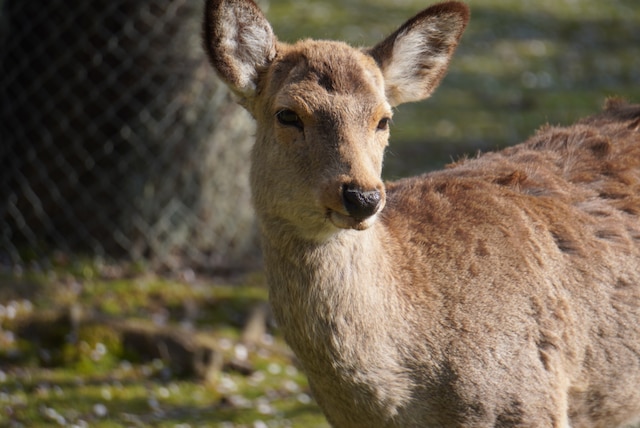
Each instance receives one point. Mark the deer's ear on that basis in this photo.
(239, 41)
(414, 59)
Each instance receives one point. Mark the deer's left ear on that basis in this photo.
(414, 59)
(239, 41)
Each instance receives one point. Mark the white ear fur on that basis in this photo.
(414, 58)
(239, 41)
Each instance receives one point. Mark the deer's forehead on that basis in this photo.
(316, 74)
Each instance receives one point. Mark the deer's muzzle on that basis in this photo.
(358, 207)
(361, 204)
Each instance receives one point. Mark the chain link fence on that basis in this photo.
(116, 140)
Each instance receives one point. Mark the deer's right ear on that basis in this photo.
(414, 59)
(239, 41)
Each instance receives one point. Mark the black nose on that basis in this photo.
(360, 204)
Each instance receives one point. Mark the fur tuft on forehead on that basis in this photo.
(334, 66)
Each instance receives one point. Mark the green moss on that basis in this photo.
(89, 377)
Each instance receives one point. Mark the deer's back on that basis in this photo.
(575, 191)
(532, 255)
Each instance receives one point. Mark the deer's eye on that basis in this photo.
(289, 118)
(383, 125)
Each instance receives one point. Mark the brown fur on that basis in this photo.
(501, 291)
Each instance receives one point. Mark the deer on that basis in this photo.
(501, 291)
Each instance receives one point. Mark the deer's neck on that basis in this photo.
(338, 306)
(343, 279)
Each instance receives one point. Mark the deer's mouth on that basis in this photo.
(354, 208)
(343, 221)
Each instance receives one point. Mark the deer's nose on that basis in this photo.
(360, 204)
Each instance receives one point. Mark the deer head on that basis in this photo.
(323, 109)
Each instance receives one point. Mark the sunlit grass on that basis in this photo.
(66, 376)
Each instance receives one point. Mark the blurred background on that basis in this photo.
(124, 188)
(117, 141)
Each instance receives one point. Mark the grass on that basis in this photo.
(85, 372)
(65, 359)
